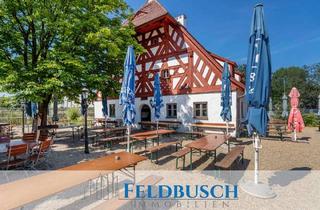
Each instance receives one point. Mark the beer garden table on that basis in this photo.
(208, 143)
(147, 135)
(21, 192)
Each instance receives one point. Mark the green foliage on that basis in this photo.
(302, 79)
(73, 114)
(8, 102)
(311, 119)
(58, 47)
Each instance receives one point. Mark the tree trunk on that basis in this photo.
(43, 111)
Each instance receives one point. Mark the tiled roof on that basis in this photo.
(150, 11)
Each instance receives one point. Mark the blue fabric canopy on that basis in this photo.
(127, 94)
(157, 97)
(104, 105)
(31, 109)
(258, 74)
(226, 94)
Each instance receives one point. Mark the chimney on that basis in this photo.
(182, 19)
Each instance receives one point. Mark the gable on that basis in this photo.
(184, 64)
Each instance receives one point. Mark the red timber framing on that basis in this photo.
(169, 47)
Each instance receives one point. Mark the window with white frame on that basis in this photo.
(200, 110)
(172, 110)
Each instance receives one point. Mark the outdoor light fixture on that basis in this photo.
(84, 105)
(23, 107)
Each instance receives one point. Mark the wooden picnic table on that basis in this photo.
(213, 125)
(208, 143)
(152, 133)
(147, 135)
(161, 124)
(107, 130)
(40, 186)
(154, 124)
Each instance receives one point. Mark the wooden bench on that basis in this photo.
(195, 134)
(172, 123)
(117, 203)
(156, 149)
(181, 154)
(201, 127)
(227, 161)
(108, 142)
(278, 128)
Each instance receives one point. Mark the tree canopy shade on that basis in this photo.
(60, 46)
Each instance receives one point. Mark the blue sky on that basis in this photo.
(223, 27)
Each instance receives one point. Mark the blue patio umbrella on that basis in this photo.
(226, 95)
(258, 75)
(127, 94)
(258, 79)
(31, 109)
(105, 108)
(157, 102)
(226, 99)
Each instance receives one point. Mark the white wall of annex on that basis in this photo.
(184, 108)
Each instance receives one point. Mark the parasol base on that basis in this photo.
(259, 190)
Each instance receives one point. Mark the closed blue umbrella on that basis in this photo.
(105, 108)
(31, 109)
(258, 79)
(157, 102)
(127, 94)
(28, 109)
(226, 97)
(258, 75)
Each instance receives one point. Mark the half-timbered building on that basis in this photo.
(190, 74)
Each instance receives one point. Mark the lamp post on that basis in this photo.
(84, 104)
(319, 105)
(22, 109)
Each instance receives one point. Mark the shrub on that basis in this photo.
(73, 114)
(311, 119)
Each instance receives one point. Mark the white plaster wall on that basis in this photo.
(184, 108)
(98, 109)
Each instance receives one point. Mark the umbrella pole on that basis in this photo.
(128, 138)
(254, 187)
(228, 136)
(256, 158)
(157, 126)
(105, 121)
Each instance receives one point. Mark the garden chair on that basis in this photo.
(29, 137)
(16, 156)
(40, 153)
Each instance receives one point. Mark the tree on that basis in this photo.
(286, 78)
(58, 47)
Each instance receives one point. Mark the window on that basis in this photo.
(112, 110)
(200, 110)
(171, 110)
(165, 73)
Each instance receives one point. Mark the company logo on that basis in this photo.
(190, 192)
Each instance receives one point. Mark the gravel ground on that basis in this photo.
(274, 155)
